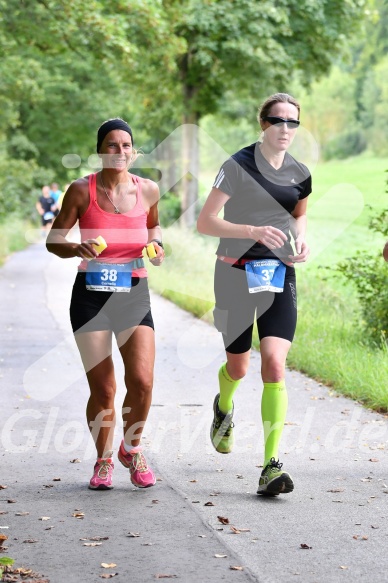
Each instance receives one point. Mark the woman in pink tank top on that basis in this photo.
(110, 295)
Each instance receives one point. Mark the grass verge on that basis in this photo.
(13, 236)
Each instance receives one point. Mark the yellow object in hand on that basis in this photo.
(101, 244)
(151, 251)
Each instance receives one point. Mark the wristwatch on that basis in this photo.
(158, 242)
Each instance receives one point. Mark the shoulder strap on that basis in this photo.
(93, 186)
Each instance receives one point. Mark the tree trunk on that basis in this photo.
(190, 166)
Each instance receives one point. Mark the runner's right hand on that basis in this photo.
(271, 237)
(85, 250)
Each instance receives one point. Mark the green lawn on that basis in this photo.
(13, 236)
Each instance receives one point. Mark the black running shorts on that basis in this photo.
(94, 310)
(236, 309)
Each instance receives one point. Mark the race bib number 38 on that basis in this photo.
(110, 277)
(265, 275)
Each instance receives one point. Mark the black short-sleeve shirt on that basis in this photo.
(260, 196)
(46, 203)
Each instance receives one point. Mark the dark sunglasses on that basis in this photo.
(292, 124)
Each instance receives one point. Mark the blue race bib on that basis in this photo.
(110, 277)
(265, 275)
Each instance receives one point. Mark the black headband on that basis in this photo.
(110, 125)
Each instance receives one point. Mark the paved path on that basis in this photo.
(335, 450)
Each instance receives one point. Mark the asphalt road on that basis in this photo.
(333, 527)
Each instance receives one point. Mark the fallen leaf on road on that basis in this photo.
(23, 572)
(340, 501)
(223, 519)
(239, 476)
(11, 501)
(343, 567)
(3, 538)
(160, 576)
(364, 538)
(334, 490)
(108, 575)
(49, 527)
(44, 518)
(304, 546)
(22, 513)
(2, 487)
(234, 568)
(30, 540)
(3, 512)
(235, 530)
(56, 479)
(92, 544)
(202, 536)
(220, 556)
(78, 515)
(193, 481)
(155, 501)
(133, 534)
(373, 459)
(75, 461)
(208, 504)
(108, 565)
(95, 538)
(48, 486)
(372, 526)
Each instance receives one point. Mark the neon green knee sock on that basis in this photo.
(228, 387)
(273, 414)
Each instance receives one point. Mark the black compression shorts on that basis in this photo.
(236, 309)
(94, 310)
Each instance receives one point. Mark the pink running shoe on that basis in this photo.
(102, 477)
(141, 474)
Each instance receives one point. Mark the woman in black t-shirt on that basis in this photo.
(263, 191)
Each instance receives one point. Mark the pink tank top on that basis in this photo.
(125, 234)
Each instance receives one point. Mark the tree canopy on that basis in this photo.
(65, 66)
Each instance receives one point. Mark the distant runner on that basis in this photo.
(46, 207)
(263, 191)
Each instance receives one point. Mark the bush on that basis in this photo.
(370, 276)
(20, 186)
(349, 143)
